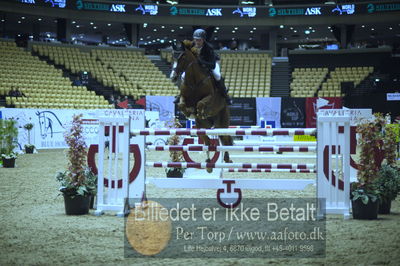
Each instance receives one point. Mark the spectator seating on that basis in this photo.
(247, 74)
(43, 85)
(138, 70)
(126, 71)
(332, 86)
(306, 81)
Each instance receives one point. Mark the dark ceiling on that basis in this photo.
(12, 24)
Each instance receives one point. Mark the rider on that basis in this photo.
(208, 59)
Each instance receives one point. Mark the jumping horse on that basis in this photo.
(199, 96)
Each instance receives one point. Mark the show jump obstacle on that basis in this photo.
(116, 184)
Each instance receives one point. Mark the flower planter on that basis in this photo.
(76, 205)
(176, 173)
(29, 150)
(384, 207)
(9, 163)
(365, 211)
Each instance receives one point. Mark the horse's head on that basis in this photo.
(42, 123)
(184, 56)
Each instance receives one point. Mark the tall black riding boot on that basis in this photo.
(224, 91)
(177, 98)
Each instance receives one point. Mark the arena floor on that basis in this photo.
(34, 229)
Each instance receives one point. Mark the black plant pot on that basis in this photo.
(384, 207)
(29, 150)
(9, 163)
(363, 211)
(76, 205)
(175, 173)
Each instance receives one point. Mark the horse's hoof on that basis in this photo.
(228, 161)
(209, 170)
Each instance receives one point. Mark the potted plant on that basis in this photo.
(29, 148)
(176, 156)
(364, 193)
(8, 142)
(78, 183)
(388, 183)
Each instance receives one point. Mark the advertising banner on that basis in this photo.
(269, 108)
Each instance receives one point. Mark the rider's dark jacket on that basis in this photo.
(207, 56)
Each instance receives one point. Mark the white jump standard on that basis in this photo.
(332, 163)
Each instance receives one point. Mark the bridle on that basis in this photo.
(180, 71)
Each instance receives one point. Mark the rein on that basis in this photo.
(193, 87)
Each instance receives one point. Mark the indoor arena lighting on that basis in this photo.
(281, 26)
(171, 2)
(109, 24)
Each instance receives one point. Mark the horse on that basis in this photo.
(199, 97)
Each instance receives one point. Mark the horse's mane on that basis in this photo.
(187, 44)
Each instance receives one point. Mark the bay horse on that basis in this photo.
(199, 96)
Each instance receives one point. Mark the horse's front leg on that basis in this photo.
(188, 112)
(203, 107)
(207, 143)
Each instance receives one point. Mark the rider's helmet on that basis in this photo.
(199, 34)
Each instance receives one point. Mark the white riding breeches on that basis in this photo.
(217, 72)
(173, 72)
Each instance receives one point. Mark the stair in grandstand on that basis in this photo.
(370, 84)
(323, 81)
(100, 89)
(162, 65)
(280, 77)
(3, 101)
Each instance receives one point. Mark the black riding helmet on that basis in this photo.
(199, 34)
